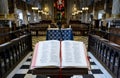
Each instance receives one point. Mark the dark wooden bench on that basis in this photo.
(113, 35)
(38, 29)
(12, 52)
(7, 36)
(80, 29)
(108, 53)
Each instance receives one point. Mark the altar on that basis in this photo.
(59, 34)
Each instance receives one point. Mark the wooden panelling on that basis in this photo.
(11, 53)
(107, 52)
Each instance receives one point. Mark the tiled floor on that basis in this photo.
(96, 71)
(22, 70)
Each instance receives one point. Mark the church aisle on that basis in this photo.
(22, 70)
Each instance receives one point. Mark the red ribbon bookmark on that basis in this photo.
(60, 71)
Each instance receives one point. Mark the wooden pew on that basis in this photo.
(12, 52)
(108, 53)
(112, 35)
(7, 36)
(79, 28)
(115, 35)
(4, 30)
(39, 29)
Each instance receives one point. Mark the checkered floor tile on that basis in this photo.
(95, 72)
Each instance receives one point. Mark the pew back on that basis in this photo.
(107, 53)
(11, 53)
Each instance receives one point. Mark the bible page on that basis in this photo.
(48, 54)
(73, 54)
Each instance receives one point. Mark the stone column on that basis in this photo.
(116, 9)
(32, 17)
(93, 11)
(83, 17)
(25, 19)
(3, 7)
(69, 10)
(107, 9)
(15, 15)
(86, 17)
(51, 9)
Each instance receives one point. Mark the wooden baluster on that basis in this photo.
(13, 57)
(112, 60)
(106, 52)
(23, 46)
(95, 47)
(17, 53)
(14, 51)
(118, 71)
(1, 69)
(108, 56)
(26, 44)
(19, 46)
(2, 65)
(18, 50)
(4, 60)
(8, 58)
(99, 50)
(102, 51)
(116, 66)
(110, 53)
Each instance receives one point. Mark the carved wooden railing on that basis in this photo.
(12, 52)
(107, 53)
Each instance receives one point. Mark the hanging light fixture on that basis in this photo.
(34, 8)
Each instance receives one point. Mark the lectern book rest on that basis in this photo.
(59, 54)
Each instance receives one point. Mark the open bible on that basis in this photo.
(60, 54)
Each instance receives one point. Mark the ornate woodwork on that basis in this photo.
(107, 52)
